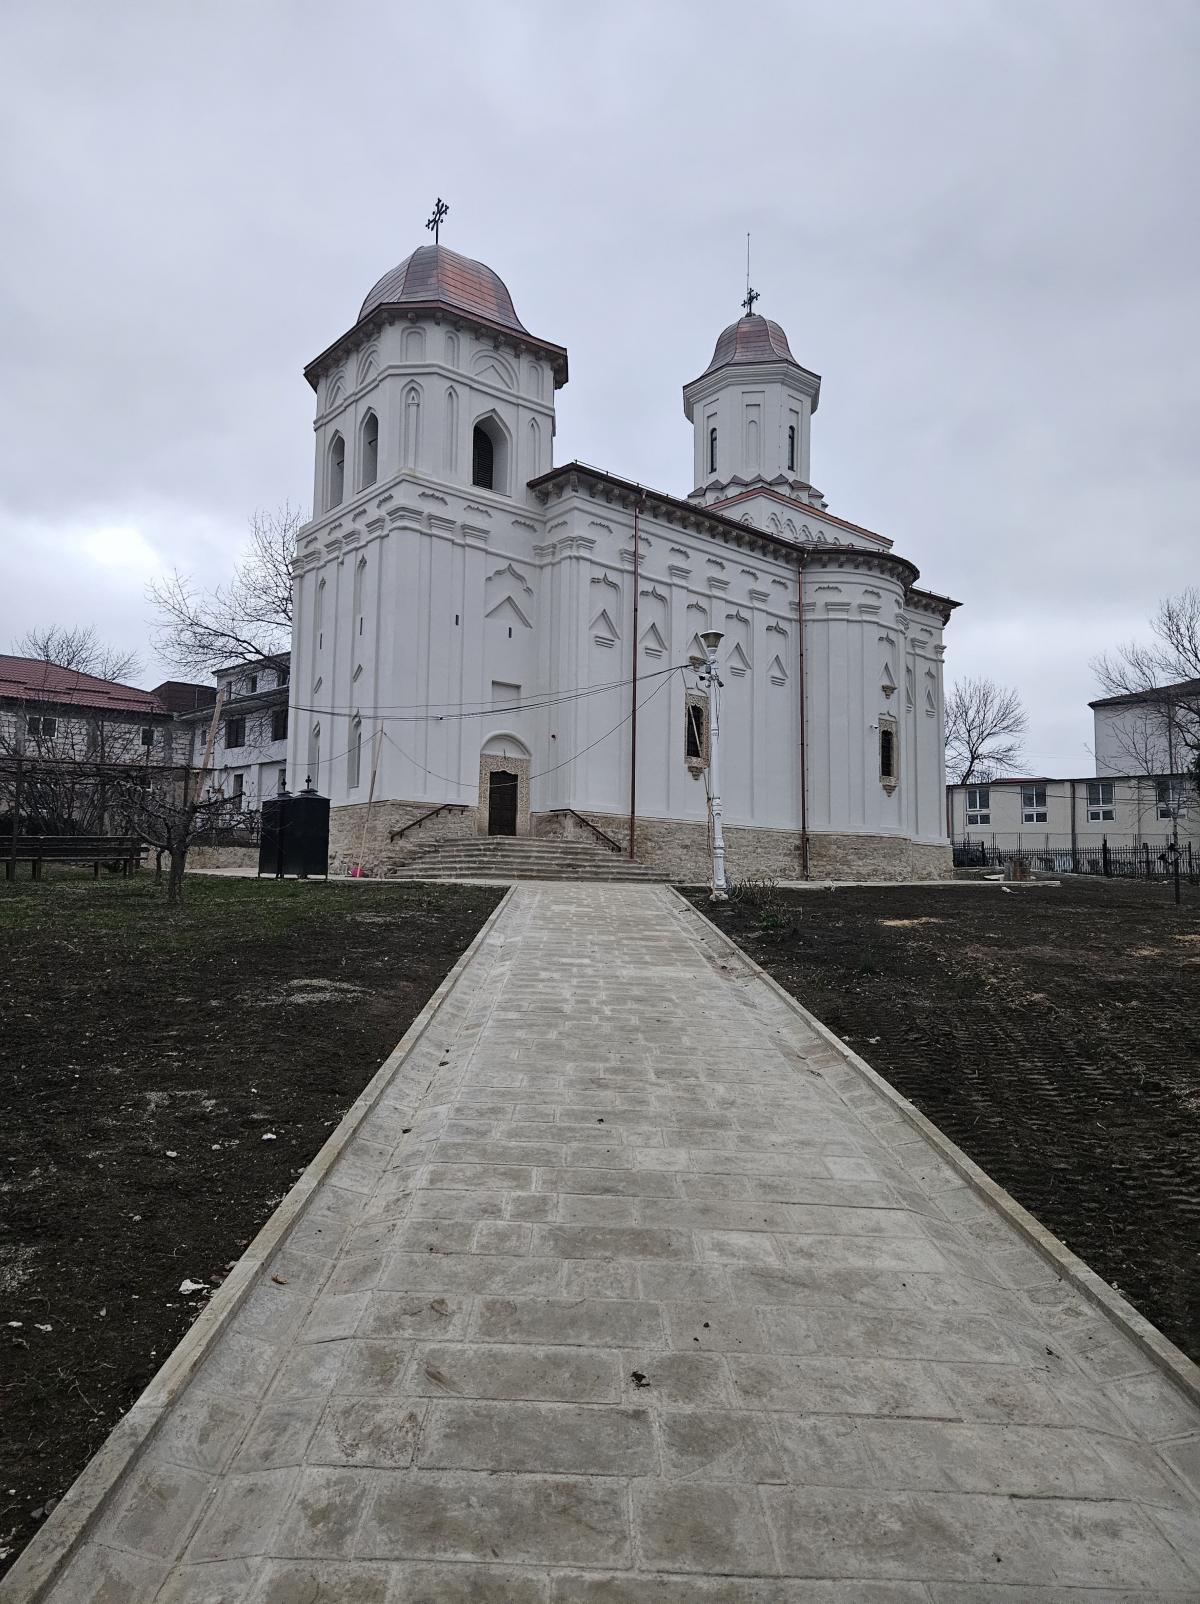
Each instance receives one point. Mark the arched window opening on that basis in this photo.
(320, 615)
(712, 451)
(354, 755)
(483, 458)
(370, 450)
(492, 453)
(314, 757)
(791, 448)
(337, 471)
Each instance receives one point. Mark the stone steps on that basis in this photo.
(519, 858)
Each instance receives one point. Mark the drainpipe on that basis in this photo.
(637, 576)
(803, 735)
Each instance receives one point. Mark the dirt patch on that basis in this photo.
(1054, 1034)
(165, 1080)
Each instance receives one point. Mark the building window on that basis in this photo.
(1099, 801)
(320, 615)
(239, 787)
(712, 451)
(147, 734)
(360, 574)
(695, 732)
(43, 728)
(337, 472)
(791, 448)
(1169, 794)
(354, 755)
(279, 725)
(235, 732)
(281, 781)
(1033, 804)
(314, 757)
(979, 804)
(251, 684)
(889, 769)
(483, 458)
(370, 450)
(283, 676)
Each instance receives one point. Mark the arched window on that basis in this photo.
(314, 757)
(354, 755)
(337, 471)
(483, 458)
(712, 451)
(319, 615)
(369, 452)
(791, 448)
(492, 453)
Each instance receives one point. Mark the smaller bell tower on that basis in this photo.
(751, 412)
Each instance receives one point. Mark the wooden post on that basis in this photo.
(16, 821)
(356, 869)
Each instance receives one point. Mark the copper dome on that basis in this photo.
(750, 339)
(435, 275)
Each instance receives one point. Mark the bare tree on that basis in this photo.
(984, 726)
(78, 647)
(169, 810)
(249, 619)
(1161, 730)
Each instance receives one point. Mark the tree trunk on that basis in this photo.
(175, 877)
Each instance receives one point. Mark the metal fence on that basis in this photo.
(1137, 862)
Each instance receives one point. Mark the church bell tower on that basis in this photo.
(751, 410)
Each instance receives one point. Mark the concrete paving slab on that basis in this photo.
(633, 1286)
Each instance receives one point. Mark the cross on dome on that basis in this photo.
(440, 211)
(748, 303)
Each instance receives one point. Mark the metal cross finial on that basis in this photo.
(435, 222)
(751, 295)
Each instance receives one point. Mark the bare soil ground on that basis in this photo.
(165, 1077)
(1053, 1033)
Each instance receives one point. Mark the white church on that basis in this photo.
(493, 645)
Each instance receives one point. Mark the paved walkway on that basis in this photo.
(631, 1291)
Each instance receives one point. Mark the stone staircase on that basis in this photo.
(509, 857)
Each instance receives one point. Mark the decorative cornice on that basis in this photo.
(408, 311)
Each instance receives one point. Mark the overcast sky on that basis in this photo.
(976, 220)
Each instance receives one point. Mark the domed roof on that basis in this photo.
(750, 339)
(434, 274)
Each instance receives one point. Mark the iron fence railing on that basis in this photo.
(1138, 861)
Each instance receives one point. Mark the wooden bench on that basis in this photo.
(35, 850)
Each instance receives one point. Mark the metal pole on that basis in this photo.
(637, 580)
(711, 639)
(16, 819)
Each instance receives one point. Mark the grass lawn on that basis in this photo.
(166, 1076)
(1053, 1033)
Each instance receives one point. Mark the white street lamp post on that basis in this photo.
(711, 639)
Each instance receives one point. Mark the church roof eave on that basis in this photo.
(396, 311)
(572, 474)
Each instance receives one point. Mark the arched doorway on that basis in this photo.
(504, 770)
(502, 802)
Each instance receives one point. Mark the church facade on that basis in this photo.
(484, 642)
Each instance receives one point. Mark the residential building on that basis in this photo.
(249, 757)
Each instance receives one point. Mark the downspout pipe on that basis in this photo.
(637, 580)
(804, 869)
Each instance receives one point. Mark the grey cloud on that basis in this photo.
(974, 220)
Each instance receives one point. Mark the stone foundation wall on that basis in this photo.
(380, 854)
(216, 858)
(877, 857)
(681, 849)
(677, 847)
